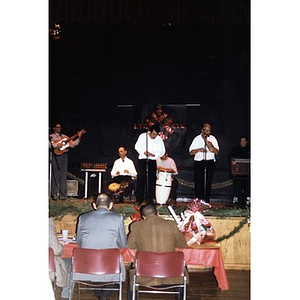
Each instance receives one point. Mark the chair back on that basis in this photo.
(51, 260)
(96, 261)
(160, 264)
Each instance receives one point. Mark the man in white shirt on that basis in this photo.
(204, 148)
(167, 164)
(123, 166)
(123, 173)
(150, 147)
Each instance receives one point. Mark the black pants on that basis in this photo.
(104, 294)
(173, 192)
(241, 189)
(203, 191)
(141, 192)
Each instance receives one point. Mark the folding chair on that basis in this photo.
(159, 265)
(96, 269)
(52, 270)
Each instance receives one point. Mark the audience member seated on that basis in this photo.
(156, 234)
(62, 265)
(102, 229)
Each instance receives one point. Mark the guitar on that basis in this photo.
(118, 188)
(65, 143)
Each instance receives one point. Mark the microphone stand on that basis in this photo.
(205, 166)
(50, 168)
(147, 169)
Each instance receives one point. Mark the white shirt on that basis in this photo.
(121, 166)
(155, 146)
(198, 142)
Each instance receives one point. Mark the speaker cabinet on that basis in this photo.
(72, 188)
(240, 167)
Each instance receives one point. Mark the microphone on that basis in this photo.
(205, 137)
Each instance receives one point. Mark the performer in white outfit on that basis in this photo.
(123, 174)
(204, 148)
(150, 147)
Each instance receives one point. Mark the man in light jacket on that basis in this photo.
(102, 229)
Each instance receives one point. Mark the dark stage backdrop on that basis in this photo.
(150, 11)
(171, 120)
(107, 77)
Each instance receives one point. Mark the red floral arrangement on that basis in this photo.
(196, 228)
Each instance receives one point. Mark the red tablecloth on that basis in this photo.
(204, 256)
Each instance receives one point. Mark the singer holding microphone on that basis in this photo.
(150, 147)
(204, 148)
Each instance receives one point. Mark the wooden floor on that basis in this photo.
(202, 286)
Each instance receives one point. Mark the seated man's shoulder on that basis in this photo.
(115, 215)
(86, 214)
(170, 222)
(159, 221)
(138, 225)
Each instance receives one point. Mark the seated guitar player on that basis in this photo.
(123, 174)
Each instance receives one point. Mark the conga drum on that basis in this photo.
(163, 187)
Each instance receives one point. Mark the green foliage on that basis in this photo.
(126, 210)
(163, 210)
(227, 212)
(59, 208)
(233, 232)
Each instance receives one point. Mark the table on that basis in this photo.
(203, 256)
